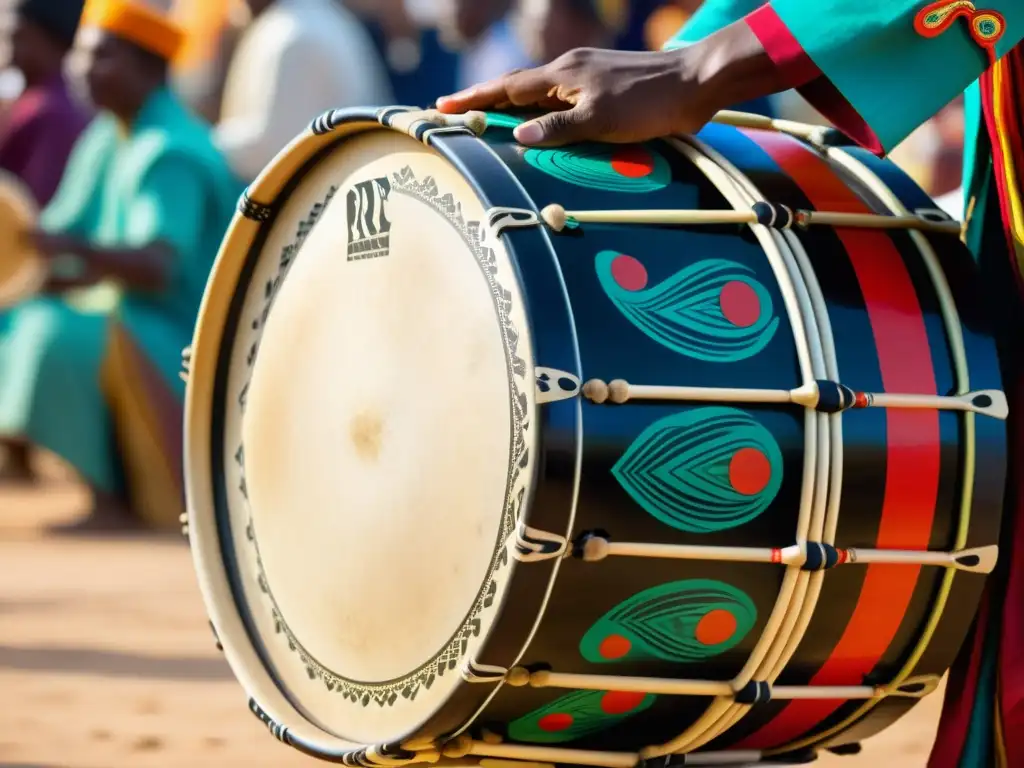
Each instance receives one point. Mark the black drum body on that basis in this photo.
(752, 464)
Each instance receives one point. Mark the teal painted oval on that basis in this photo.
(704, 470)
(683, 621)
(630, 168)
(688, 312)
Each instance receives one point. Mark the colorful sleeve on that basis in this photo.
(854, 60)
(711, 17)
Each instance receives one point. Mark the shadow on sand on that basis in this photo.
(83, 661)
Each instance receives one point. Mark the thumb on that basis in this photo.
(556, 128)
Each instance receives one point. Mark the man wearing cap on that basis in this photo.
(143, 205)
(44, 122)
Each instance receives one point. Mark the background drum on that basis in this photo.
(22, 270)
(589, 455)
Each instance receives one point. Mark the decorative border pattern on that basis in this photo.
(447, 659)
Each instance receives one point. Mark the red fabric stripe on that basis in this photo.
(800, 72)
(912, 440)
(782, 48)
(959, 702)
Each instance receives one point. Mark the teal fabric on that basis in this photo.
(871, 52)
(162, 180)
(711, 17)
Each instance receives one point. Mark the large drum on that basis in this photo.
(592, 455)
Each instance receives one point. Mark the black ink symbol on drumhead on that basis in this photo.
(368, 227)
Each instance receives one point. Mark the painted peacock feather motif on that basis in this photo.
(683, 621)
(576, 715)
(620, 168)
(714, 310)
(703, 470)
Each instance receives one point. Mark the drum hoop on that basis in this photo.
(955, 337)
(248, 227)
(788, 613)
(245, 233)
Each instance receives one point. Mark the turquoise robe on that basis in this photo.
(864, 65)
(161, 180)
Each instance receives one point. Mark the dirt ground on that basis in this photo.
(106, 659)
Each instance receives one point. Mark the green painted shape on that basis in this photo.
(587, 717)
(501, 120)
(589, 165)
(684, 313)
(678, 469)
(661, 622)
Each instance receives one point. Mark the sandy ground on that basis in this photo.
(106, 659)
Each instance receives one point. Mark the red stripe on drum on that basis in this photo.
(912, 440)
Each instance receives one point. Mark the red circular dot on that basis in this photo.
(621, 702)
(716, 627)
(749, 471)
(629, 273)
(614, 647)
(556, 721)
(633, 162)
(739, 303)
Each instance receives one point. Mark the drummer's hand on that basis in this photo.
(616, 96)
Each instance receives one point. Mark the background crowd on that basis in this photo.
(136, 123)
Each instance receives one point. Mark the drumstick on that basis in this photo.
(753, 692)
(766, 214)
(815, 134)
(592, 548)
(826, 396)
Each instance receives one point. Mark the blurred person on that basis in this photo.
(144, 202)
(44, 122)
(553, 27)
(484, 36)
(213, 29)
(407, 37)
(878, 69)
(39, 128)
(296, 60)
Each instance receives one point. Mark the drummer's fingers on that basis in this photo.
(482, 96)
(557, 128)
(521, 87)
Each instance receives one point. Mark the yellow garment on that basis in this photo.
(146, 420)
(147, 28)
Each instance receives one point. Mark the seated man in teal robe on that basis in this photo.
(877, 69)
(141, 209)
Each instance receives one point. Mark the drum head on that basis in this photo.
(22, 272)
(367, 414)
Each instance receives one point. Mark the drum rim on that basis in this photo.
(31, 275)
(212, 553)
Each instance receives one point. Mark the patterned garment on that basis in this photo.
(98, 385)
(38, 134)
(853, 60)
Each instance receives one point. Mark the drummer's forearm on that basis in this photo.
(732, 66)
(58, 284)
(143, 269)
